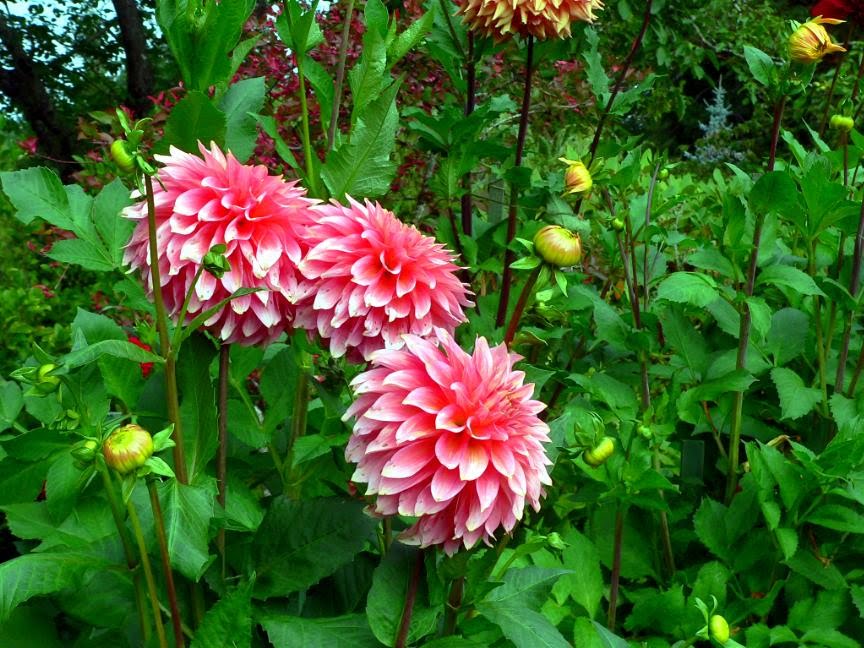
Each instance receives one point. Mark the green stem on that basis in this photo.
(470, 100)
(298, 420)
(171, 395)
(159, 525)
(340, 76)
(454, 602)
(820, 341)
(307, 143)
(618, 542)
(181, 320)
(148, 574)
(222, 453)
(128, 550)
(520, 304)
(745, 319)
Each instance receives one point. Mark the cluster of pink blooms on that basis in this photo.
(451, 438)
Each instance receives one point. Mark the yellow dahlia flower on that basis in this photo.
(810, 42)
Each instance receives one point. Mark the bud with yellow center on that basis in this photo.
(558, 246)
(127, 448)
(810, 42)
(577, 177)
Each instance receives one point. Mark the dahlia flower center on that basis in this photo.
(391, 260)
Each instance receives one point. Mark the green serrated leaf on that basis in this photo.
(362, 165)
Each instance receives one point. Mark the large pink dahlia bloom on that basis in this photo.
(542, 19)
(372, 278)
(210, 200)
(451, 438)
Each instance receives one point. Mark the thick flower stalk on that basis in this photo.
(450, 438)
(210, 200)
(810, 42)
(501, 19)
(372, 278)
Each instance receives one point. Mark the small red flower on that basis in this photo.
(30, 144)
(146, 367)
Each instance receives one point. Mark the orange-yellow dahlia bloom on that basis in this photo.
(541, 19)
(810, 41)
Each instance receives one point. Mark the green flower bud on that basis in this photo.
(45, 383)
(617, 224)
(555, 541)
(718, 629)
(558, 246)
(644, 431)
(122, 156)
(598, 455)
(85, 451)
(127, 448)
(842, 123)
(215, 262)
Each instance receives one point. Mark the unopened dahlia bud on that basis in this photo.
(842, 123)
(122, 156)
(577, 178)
(810, 41)
(598, 455)
(127, 448)
(85, 451)
(215, 262)
(719, 629)
(46, 383)
(558, 246)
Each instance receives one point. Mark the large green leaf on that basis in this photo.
(350, 631)
(689, 288)
(202, 35)
(241, 133)
(228, 624)
(585, 582)
(789, 277)
(386, 601)
(194, 119)
(32, 575)
(301, 542)
(197, 402)
(187, 511)
(361, 166)
(796, 399)
(86, 254)
(114, 348)
(37, 193)
(113, 229)
(525, 628)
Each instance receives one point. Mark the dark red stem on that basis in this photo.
(410, 597)
(514, 191)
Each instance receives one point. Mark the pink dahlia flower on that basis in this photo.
(500, 19)
(210, 200)
(372, 278)
(451, 438)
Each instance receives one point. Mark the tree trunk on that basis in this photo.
(22, 85)
(139, 75)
